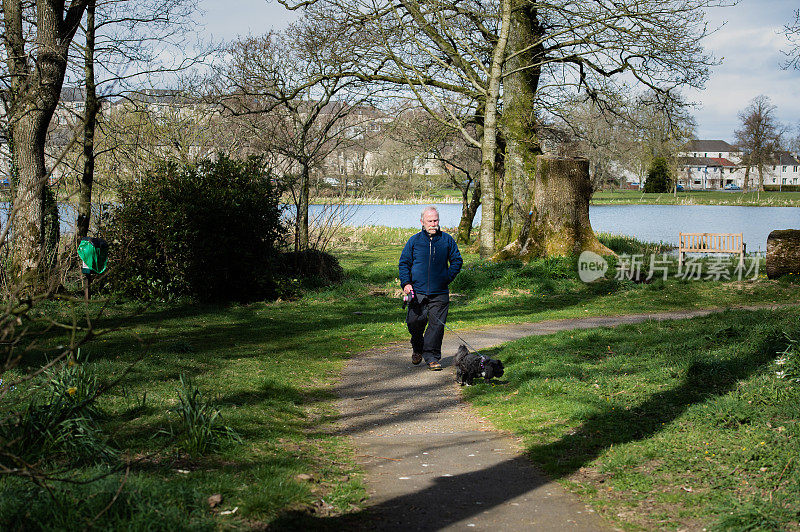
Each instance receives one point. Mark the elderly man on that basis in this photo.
(429, 263)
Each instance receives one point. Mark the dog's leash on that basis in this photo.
(407, 301)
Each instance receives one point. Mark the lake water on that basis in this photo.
(651, 223)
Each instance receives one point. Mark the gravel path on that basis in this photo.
(432, 464)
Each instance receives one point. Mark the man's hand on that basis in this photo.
(407, 288)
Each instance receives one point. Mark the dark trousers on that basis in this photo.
(430, 311)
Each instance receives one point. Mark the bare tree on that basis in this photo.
(291, 87)
(794, 141)
(126, 41)
(759, 136)
(541, 53)
(457, 159)
(661, 127)
(153, 126)
(606, 139)
(36, 40)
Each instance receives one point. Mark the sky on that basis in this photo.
(748, 43)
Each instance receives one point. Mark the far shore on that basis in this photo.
(605, 197)
(616, 197)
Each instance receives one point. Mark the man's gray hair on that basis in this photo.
(430, 208)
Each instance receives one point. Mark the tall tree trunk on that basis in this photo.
(301, 224)
(746, 185)
(468, 211)
(504, 201)
(559, 215)
(91, 110)
(555, 221)
(28, 222)
(34, 94)
(519, 127)
(489, 140)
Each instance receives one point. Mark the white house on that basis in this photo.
(714, 149)
(783, 169)
(713, 164)
(709, 165)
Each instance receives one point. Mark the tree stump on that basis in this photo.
(783, 253)
(559, 216)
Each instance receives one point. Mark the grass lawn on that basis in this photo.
(681, 425)
(271, 368)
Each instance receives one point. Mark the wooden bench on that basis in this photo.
(710, 243)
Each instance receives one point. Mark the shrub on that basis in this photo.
(207, 231)
(658, 178)
(782, 188)
(317, 268)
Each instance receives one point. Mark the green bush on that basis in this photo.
(207, 231)
(658, 178)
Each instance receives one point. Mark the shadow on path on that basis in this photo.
(447, 501)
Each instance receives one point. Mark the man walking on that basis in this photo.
(429, 263)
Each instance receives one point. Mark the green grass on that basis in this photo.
(712, 197)
(270, 369)
(662, 425)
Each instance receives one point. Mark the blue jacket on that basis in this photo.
(430, 263)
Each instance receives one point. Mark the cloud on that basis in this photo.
(750, 46)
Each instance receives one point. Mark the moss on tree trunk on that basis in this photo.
(468, 211)
(558, 218)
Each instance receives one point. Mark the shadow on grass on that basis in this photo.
(187, 334)
(614, 426)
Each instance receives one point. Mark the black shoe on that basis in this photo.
(416, 358)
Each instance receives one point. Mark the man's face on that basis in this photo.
(430, 222)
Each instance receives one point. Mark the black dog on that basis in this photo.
(470, 366)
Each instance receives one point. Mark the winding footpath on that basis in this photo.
(432, 464)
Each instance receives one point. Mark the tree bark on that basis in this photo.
(468, 211)
(489, 140)
(92, 107)
(746, 185)
(28, 232)
(520, 85)
(301, 224)
(783, 253)
(35, 91)
(558, 220)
